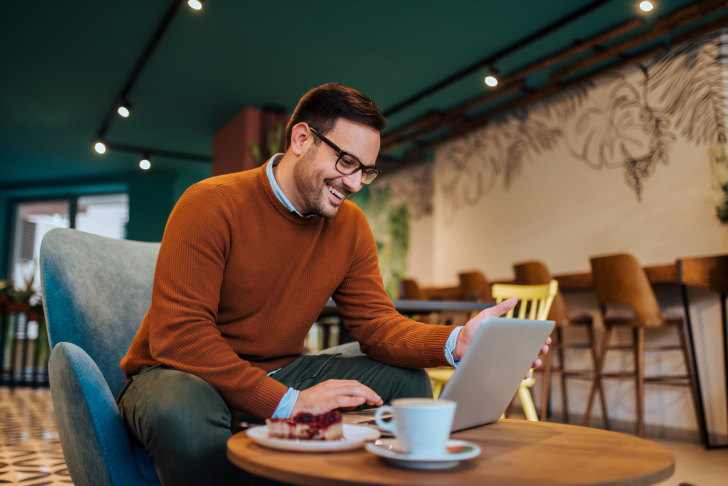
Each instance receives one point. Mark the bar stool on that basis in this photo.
(536, 273)
(474, 286)
(409, 289)
(619, 279)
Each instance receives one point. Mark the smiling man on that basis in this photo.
(247, 263)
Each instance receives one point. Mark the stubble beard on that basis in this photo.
(312, 189)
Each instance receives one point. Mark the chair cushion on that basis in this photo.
(629, 318)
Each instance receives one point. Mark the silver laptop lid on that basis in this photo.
(492, 369)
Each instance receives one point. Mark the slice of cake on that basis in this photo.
(306, 426)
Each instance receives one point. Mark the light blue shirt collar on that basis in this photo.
(275, 160)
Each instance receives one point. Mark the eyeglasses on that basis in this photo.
(347, 164)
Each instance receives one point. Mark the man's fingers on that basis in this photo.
(536, 363)
(500, 309)
(355, 389)
(344, 402)
(544, 350)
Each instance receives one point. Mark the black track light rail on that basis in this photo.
(140, 65)
(129, 85)
(149, 152)
(495, 57)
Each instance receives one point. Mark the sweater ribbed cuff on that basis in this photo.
(265, 398)
(435, 346)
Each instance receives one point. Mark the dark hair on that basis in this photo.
(322, 106)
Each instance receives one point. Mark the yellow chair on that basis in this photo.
(534, 303)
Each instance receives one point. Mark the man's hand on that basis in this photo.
(333, 394)
(471, 328)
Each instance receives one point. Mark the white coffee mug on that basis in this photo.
(422, 425)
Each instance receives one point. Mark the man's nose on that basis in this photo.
(354, 182)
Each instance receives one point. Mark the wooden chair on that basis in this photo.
(620, 280)
(409, 289)
(474, 286)
(534, 302)
(536, 273)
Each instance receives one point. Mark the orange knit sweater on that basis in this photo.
(240, 280)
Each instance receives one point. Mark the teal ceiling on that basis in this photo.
(64, 63)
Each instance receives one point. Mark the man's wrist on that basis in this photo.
(451, 346)
(286, 405)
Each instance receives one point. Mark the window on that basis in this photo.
(104, 215)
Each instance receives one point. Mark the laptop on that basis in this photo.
(490, 373)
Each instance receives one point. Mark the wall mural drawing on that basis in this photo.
(625, 121)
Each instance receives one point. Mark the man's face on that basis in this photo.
(322, 187)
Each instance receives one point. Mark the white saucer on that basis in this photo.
(354, 437)
(457, 450)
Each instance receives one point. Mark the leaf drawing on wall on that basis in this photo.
(468, 169)
(529, 136)
(624, 131)
(689, 81)
(603, 133)
(563, 105)
(619, 122)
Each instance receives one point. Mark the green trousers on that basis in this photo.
(184, 424)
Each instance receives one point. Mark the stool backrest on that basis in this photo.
(409, 289)
(620, 279)
(96, 291)
(536, 273)
(474, 286)
(534, 300)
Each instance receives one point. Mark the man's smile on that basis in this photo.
(336, 193)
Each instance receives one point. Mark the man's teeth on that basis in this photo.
(335, 192)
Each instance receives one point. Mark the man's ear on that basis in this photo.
(300, 134)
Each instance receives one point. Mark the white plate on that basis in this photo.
(354, 437)
(457, 450)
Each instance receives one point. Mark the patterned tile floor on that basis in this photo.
(30, 452)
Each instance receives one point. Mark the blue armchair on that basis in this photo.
(96, 291)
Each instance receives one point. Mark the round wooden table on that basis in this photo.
(515, 452)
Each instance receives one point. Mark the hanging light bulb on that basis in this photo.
(195, 4)
(646, 6)
(491, 81)
(124, 109)
(145, 164)
(100, 147)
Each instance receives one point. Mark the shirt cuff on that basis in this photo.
(449, 348)
(285, 406)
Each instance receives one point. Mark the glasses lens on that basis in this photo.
(347, 165)
(369, 176)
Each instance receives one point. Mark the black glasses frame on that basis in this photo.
(366, 170)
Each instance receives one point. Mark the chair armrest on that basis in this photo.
(92, 434)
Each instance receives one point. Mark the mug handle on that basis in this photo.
(388, 426)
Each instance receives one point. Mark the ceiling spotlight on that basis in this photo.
(195, 4)
(144, 163)
(100, 147)
(491, 81)
(124, 109)
(646, 6)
